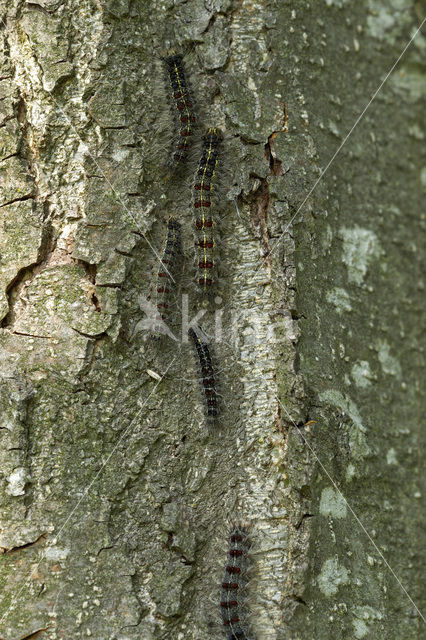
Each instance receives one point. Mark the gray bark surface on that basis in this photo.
(116, 498)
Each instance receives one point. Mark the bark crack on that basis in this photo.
(275, 165)
(30, 335)
(91, 271)
(26, 274)
(27, 545)
(35, 634)
(94, 336)
(30, 196)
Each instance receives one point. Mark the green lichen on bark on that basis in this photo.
(359, 294)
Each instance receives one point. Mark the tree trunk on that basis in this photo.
(117, 497)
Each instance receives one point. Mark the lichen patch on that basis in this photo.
(360, 246)
(332, 503)
(332, 576)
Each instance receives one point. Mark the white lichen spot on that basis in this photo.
(360, 246)
(423, 176)
(17, 481)
(364, 616)
(6, 423)
(357, 439)
(361, 374)
(409, 83)
(332, 503)
(120, 154)
(350, 472)
(332, 575)
(334, 128)
(56, 553)
(390, 364)
(391, 456)
(336, 3)
(360, 628)
(340, 299)
(380, 19)
(416, 132)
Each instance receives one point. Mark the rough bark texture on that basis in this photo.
(115, 496)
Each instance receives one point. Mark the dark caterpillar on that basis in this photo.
(232, 603)
(183, 107)
(168, 269)
(205, 227)
(207, 374)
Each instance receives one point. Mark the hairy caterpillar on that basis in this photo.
(168, 269)
(182, 107)
(205, 226)
(207, 373)
(232, 593)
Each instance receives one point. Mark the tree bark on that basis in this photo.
(116, 496)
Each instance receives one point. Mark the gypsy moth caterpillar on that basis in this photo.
(232, 592)
(181, 106)
(168, 269)
(205, 225)
(207, 371)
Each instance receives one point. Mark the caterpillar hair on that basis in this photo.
(182, 108)
(205, 224)
(233, 588)
(169, 269)
(207, 372)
